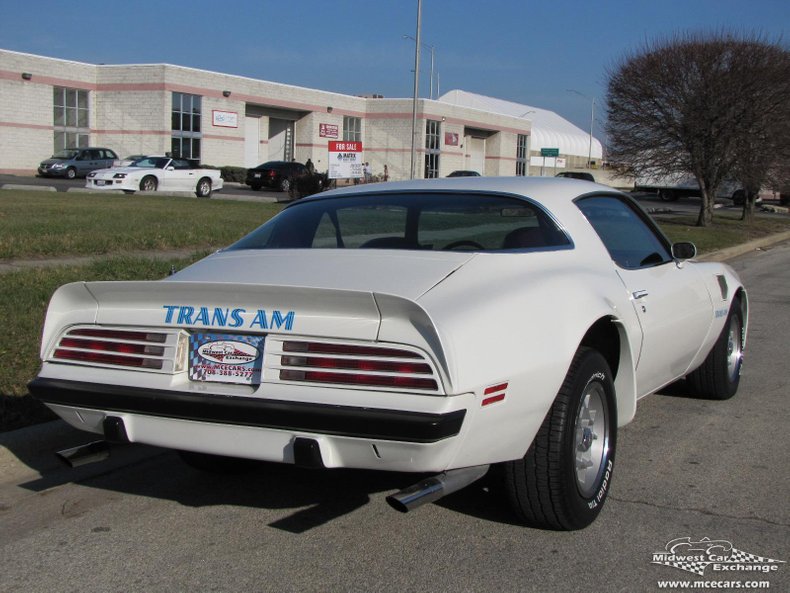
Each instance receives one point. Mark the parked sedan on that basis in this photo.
(76, 162)
(437, 326)
(157, 173)
(275, 174)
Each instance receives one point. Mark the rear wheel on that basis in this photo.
(668, 195)
(718, 377)
(285, 184)
(563, 480)
(203, 189)
(148, 183)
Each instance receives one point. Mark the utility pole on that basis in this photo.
(416, 90)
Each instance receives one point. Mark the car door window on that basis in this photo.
(629, 235)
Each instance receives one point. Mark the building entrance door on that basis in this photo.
(252, 141)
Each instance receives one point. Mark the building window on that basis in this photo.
(71, 118)
(186, 126)
(522, 154)
(432, 148)
(352, 128)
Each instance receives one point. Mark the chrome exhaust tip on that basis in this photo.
(435, 487)
(84, 454)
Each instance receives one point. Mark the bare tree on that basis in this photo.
(762, 150)
(687, 105)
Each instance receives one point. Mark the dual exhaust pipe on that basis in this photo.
(428, 490)
(84, 454)
(435, 487)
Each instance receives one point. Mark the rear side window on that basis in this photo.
(432, 221)
(632, 239)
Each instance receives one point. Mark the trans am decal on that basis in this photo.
(225, 358)
(237, 318)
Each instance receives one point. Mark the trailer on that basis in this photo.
(672, 188)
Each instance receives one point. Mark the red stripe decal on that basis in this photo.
(496, 393)
(493, 399)
(495, 388)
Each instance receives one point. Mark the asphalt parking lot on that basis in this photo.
(232, 191)
(239, 191)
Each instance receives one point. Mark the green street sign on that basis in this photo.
(549, 152)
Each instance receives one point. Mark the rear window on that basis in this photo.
(416, 221)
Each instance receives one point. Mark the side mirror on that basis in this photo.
(684, 250)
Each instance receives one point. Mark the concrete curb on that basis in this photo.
(743, 248)
(224, 194)
(28, 187)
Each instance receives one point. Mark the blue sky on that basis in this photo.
(524, 51)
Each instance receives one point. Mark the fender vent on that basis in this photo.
(723, 286)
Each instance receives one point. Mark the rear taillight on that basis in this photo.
(356, 366)
(112, 347)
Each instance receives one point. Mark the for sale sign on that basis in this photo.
(345, 160)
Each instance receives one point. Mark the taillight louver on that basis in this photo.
(356, 366)
(112, 347)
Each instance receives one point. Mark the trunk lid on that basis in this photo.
(408, 274)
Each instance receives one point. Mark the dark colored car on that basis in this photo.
(576, 175)
(275, 174)
(464, 174)
(77, 162)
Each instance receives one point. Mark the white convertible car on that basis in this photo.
(438, 327)
(154, 173)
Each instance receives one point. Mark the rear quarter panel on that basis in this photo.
(519, 319)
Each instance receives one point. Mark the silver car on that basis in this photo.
(77, 162)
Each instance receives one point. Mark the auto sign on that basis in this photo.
(225, 358)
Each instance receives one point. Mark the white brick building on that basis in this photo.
(48, 104)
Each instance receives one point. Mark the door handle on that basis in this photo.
(639, 294)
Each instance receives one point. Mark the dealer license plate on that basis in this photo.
(225, 358)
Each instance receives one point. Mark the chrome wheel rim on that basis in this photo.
(591, 438)
(734, 349)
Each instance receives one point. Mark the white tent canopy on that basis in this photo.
(549, 130)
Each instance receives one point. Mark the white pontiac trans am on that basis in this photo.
(154, 173)
(437, 327)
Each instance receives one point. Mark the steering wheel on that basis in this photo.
(463, 243)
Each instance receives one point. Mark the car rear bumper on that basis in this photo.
(255, 428)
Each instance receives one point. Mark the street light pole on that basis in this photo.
(592, 120)
(433, 60)
(416, 90)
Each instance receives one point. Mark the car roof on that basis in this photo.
(555, 194)
(546, 190)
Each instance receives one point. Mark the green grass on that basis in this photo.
(726, 231)
(37, 224)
